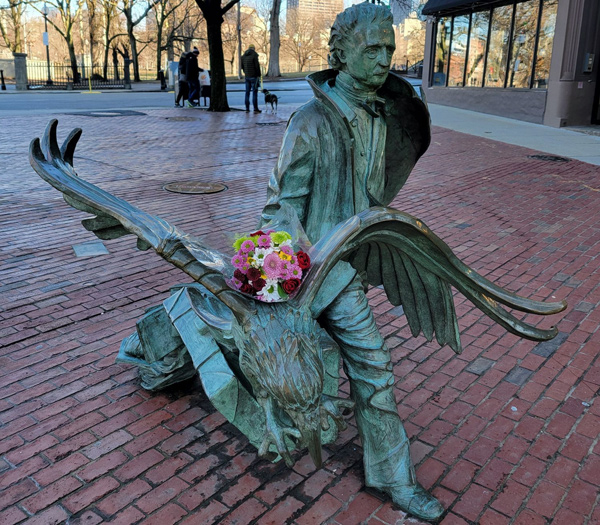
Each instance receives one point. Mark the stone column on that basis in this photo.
(21, 81)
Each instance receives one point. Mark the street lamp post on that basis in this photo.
(46, 43)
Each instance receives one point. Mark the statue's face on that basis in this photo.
(368, 60)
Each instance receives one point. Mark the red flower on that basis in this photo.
(253, 274)
(289, 285)
(303, 260)
(259, 232)
(259, 284)
(240, 276)
(247, 288)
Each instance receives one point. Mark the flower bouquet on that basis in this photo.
(266, 266)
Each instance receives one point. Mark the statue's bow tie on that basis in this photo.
(368, 103)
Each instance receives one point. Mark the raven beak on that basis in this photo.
(312, 438)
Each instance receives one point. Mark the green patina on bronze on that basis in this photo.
(272, 369)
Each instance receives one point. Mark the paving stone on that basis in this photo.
(547, 348)
(518, 375)
(480, 365)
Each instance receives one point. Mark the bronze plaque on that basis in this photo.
(195, 187)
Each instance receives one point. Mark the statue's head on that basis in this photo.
(362, 43)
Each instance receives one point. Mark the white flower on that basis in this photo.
(260, 254)
(269, 293)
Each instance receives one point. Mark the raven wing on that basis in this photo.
(115, 217)
(417, 269)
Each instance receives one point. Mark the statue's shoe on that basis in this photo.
(415, 500)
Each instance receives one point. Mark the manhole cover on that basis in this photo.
(182, 119)
(195, 187)
(548, 158)
(110, 113)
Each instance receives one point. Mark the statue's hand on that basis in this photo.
(334, 408)
(275, 433)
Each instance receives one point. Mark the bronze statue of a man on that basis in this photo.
(332, 166)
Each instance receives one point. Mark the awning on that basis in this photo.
(435, 7)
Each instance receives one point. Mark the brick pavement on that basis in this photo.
(507, 432)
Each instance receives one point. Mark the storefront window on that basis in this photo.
(521, 58)
(504, 40)
(499, 45)
(458, 53)
(544, 51)
(477, 46)
(442, 51)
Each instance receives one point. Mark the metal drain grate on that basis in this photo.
(194, 187)
(270, 123)
(110, 113)
(548, 158)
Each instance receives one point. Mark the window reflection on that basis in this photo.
(521, 60)
(458, 54)
(477, 46)
(544, 51)
(498, 52)
(442, 51)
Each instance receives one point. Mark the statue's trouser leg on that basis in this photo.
(350, 322)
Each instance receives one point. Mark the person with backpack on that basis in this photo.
(251, 68)
(182, 91)
(193, 72)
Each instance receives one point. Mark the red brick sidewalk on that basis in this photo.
(507, 432)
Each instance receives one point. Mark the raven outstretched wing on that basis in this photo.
(416, 269)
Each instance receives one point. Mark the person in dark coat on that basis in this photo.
(251, 69)
(182, 92)
(193, 72)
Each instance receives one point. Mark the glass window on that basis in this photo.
(523, 44)
(498, 46)
(441, 51)
(544, 51)
(458, 52)
(477, 45)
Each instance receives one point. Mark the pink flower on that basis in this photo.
(272, 266)
(247, 246)
(294, 272)
(237, 284)
(286, 249)
(264, 241)
(238, 261)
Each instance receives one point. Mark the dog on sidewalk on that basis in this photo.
(270, 98)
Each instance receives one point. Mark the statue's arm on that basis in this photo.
(292, 179)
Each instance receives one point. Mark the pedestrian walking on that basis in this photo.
(192, 72)
(251, 68)
(183, 89)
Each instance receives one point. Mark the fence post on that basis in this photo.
(21, 81)
(2, 80)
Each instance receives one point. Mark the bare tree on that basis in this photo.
(67, 11)
(127, 8)
(304, 38)
(213, 14)
(275, 41)
(164, 11)
(11, 27)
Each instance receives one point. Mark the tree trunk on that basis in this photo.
(159, 32)
(73, 60)
(274, 41)
(133, 46)
(218, 82)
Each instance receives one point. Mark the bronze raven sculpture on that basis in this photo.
(269, 368)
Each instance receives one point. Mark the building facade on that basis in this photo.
(534, 60)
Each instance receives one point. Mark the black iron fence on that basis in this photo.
(40, 75)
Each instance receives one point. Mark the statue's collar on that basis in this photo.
(322, 83)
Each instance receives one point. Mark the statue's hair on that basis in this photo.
(343, 29)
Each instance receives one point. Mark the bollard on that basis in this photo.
(2, 79)
(126, 75)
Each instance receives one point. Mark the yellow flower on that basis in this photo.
(250, 260)
(285, 256)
